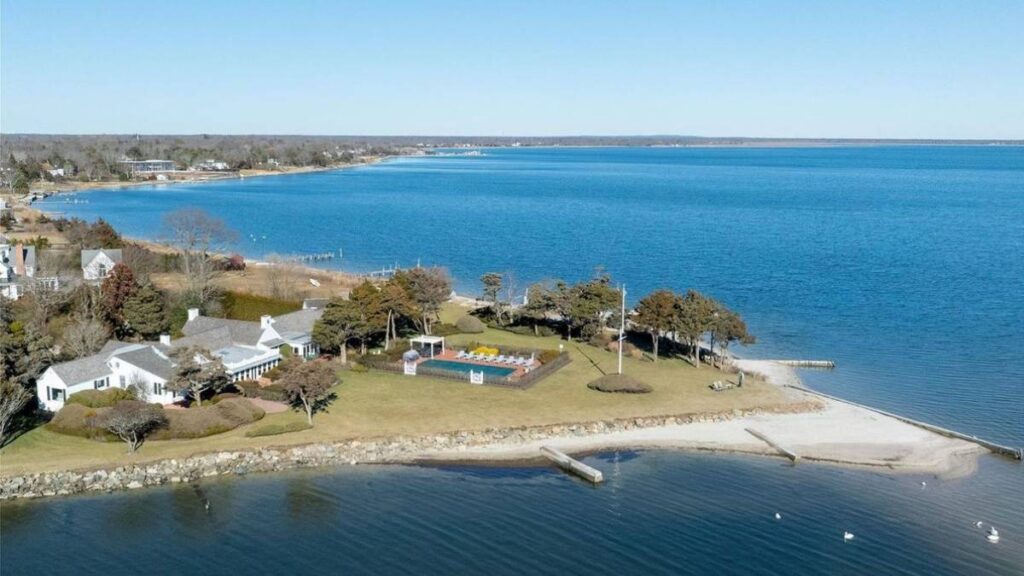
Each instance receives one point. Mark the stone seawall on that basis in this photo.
(401, 449)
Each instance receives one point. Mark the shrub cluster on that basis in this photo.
(273, 392)
(470, 325)
(101, 398)
(79, 420)
(547, 356)
(197, 422)
(208, 420)
(275, 429)
(619, 383)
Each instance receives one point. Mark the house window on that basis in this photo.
(122, 380)
(56, 394)
(102, 270)
(158, 388)
(99, 384)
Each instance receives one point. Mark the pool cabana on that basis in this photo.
(425, 345)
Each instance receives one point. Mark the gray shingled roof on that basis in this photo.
(148, 359)
(83, 369)
(113, 253)
(210, 339)
(299, 321)
(241, 332)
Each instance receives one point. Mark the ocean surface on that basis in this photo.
(905, 265)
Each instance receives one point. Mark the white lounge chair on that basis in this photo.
(462, 354)
(530, 362)
(518, 361)
(500, 359)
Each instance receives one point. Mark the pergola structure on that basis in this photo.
(426, 342)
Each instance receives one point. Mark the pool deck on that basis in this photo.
(449, 355)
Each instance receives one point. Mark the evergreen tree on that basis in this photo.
(143, 312)
(115, 290)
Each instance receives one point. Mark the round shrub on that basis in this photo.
(547, 356)
(619, 383)
(470, 325)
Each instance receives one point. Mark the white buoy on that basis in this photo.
(778, 516)
(923, 484)
(978, 524)
(847, 536)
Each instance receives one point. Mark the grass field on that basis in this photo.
(378, 404)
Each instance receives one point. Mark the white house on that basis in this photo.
(119, 365)
(97, 264)
(136, 167)
(247, 350)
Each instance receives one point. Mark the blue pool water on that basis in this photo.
(488, 370)
(905, 265)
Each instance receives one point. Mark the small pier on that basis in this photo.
(312, 257)
(827, 364)
(1000, 449)
(782, 449)
(569, 464)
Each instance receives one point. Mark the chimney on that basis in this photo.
(19, 260)
(193, 313)
(165, 339)
(266, 321)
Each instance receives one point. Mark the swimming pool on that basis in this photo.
(493, 371)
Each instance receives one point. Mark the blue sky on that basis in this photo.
(903, 69)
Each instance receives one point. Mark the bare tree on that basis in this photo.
(13, 398)
(198, 235)
(132, 421)
(197, 371)
(281, 277)
(308, 385)
(84, 336)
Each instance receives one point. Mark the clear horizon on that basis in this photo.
(847, 70)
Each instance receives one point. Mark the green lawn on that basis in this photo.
(377, 404)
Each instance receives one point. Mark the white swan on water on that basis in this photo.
(847, 536)
(993, 534)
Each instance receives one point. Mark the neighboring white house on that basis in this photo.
(136, 167)
(212, 165)
(17, 262)
(97, 264)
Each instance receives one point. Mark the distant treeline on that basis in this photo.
(30, 157)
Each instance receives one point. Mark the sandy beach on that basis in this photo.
(840, 433)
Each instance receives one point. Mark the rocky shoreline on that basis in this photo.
(397, 450)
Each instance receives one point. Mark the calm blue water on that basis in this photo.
(903, 264)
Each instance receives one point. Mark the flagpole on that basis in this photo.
(622, 326)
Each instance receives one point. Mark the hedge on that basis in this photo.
(275, 429)
(273, 392)
(101, 398)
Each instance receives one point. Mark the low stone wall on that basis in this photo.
(387, 450)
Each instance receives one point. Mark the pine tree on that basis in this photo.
(143, 312)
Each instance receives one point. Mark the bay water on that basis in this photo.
(905, 265)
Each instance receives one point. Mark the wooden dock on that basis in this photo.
(569, 464)
(807, 363)
(782, 449)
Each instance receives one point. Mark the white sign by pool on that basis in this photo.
(410, 368)
(476, 377)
